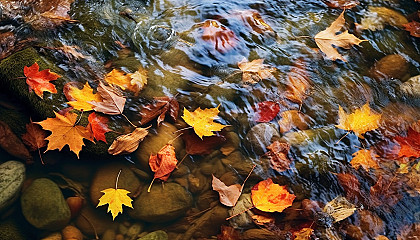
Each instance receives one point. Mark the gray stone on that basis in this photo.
(134, 230)
(12, 175)
(411, 87)
(260, 136)
(106, 176)
(162, 203)
(156, 235)
(154, 142)
(43, 205)
(243, 220)
(390, 66)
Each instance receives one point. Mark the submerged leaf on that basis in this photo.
(267, 111)
(299, 83)
(34, 137)
(364, 158)
(220, 36)
(277, 154)
(255, 71)
(201, 146)
(360, 121)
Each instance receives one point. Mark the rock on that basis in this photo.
(96, 217)
(108, 235)
(260, 136)
(156, 235)
(9, 230)
(411, 87)
(243, 220)
(43, 205)
(237, 161)
(207, 199)
(198, 182)
(154, 142)
(233, 142)
(148, 206)
(134, 230)
(12, 175)
(106, 176)
(378, 17)
(390, 66)
(311, 136)
(71, 233)
(182, 170)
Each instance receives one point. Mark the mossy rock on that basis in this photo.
(10, 230)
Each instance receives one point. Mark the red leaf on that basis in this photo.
(99, 126)
(40, 81)
(161, 107)
(221, 37)
(267, 110)
(194, 145)
(163, 163)
(410, 145)
(278, 156)
(413, 27)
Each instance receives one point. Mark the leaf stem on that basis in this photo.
(150, 186)
(128, 120)
(342, 137)
(239, 213)
(78, 120)
(249, 174)
(116, 181)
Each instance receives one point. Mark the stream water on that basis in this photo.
(166, 37)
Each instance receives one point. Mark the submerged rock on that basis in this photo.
(378, 17)
(156, 235)
(43, 205)
(208, 224)
(411, 87)
(390, 66)
(12, 175)
(10, 230)
(243, 220)
(260, 136)
(162, 203)
(101, 220)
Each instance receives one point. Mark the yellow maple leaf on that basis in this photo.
(65, 132)
(115, 198)
(364, 158)
(133, 82)
(138, 80)
(327, 38)
(360, 121)
(255, 71)
(202, 121)
(82, 97)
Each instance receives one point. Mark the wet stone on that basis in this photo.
(260, 136)
(12, 175)
(98, 216)
(411, 87)
(391, 66)
(243, 221)
(157, 235)
(148, 206)
(43, 205)
(10, 230)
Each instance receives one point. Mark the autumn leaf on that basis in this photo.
(229, 195)
(80, 98)
(39, 81)
(220, 36)
(127, 81)
(412, 179)
(98, 126)
(360, 121)
(115, 198)
(228, 233)
(409, 145)
(202, 121)
(413, 27)
(386, 191)
(351, 186)
(160, 108)
(277, 154)
(65, 132)
(163, 163)
(342, 4)
(293, 119)
(112, 101)
(364, 158)
(267, 111)
(303, 234)
(201, 146)
(328, 38)
(34, 137)
(128, 143)
(138, 80)
(254, 21)
(339, 208)
(270, 197)
(299, 84)
(255, 71)
(262, 220)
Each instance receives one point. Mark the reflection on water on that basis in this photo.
(191, 50)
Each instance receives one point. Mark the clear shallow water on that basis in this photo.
(165, 37)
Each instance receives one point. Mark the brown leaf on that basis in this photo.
(277, 154)
(197, 146)
(291, 119)
(128, 143)
(263, 220)
(163, 163)
(386, 191)
(413, 27)
(255, 71)
(303, 234)
(228, 195)
(299, 84)
(253, 20)
(328, 38)
(113, 102)
(12, 144)
(161, 107)
(228, 233)
(351, 186)
(34, 137)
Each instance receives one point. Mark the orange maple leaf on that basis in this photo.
(360, 121)
(80, 98)
(202, 121)
(163, 163)
(410, 145)
(99, 126)
(364, 158)
(39, 81)
(270, 197)
(65, 132)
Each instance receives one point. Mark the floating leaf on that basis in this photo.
(360, 121)
(112, 101)
(328, 38)
(220, 36)
(99, 126)
(270, 197)
(128, 143)
(163, 163)
(255, 71)
(202, 121)
(277, 154)
(80, 98)
(228, 195)
(161, 107)
(65, 132)
(364, 158)
(39, 81)
(293, 119)
(267, 110)
(339, 208)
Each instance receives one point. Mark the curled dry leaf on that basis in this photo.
(202, 121)
(160, 108)
(364, 158)
(360, 121)
(229, 195)
(328, 38)
(339, 208)
(270, 197)
(79, 98)
(267, 111)
(128, 143)
(112, 101)
(39, 81)
(222, 38)
(255, 71)
(34, 137)
(277, 154)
